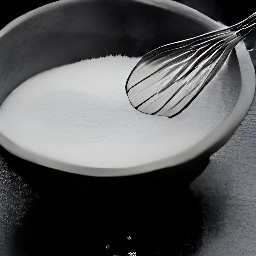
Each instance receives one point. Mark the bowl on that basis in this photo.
(72, 30)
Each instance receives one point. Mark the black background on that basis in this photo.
(226, 11)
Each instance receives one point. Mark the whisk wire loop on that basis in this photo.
(167, 79)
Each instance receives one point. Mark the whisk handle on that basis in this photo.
(244, 23)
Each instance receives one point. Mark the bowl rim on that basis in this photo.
(205, 147)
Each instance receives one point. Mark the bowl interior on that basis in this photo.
(63, 33)
(70, 31)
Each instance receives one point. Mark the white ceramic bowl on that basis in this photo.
(68, 31)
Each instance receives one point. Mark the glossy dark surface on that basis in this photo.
(63, 217)
(51, 213)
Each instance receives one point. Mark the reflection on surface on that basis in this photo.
(64, 219)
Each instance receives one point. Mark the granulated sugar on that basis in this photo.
(79, 114)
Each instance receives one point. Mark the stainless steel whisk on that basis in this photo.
(167, 79)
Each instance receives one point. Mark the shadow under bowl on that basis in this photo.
(69, 31)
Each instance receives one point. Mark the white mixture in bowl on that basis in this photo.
(79, 114)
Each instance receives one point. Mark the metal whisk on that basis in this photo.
(167, 79)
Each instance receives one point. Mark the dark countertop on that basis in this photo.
(227, 192)
(45, 212)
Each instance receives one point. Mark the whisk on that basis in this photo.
(167, 79)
